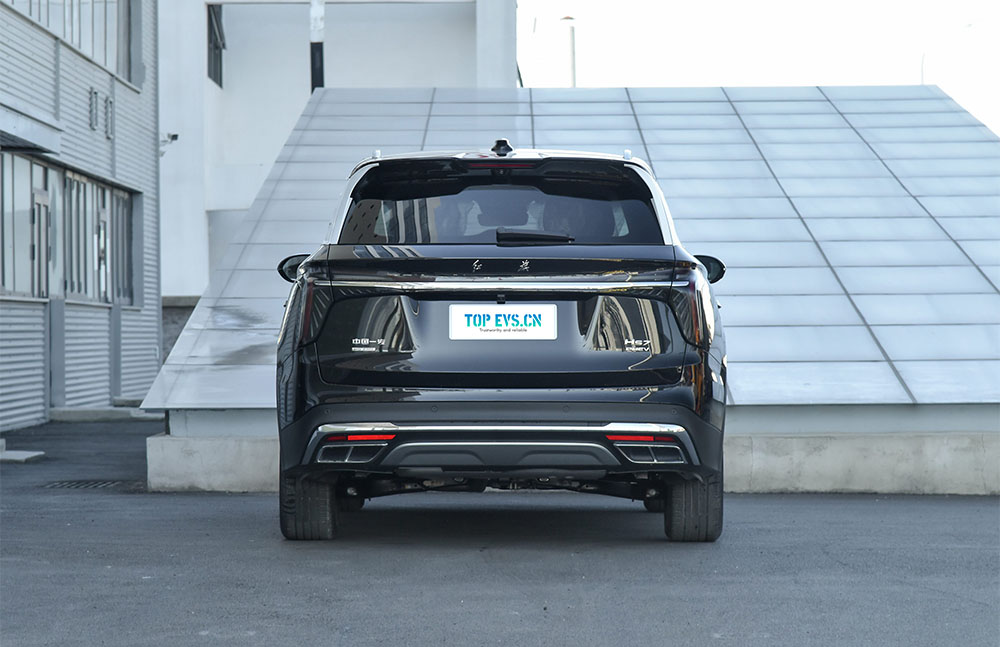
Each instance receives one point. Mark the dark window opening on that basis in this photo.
(448, 202)
(216, 43)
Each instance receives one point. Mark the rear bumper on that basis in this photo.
(502, 439)
(516, 450)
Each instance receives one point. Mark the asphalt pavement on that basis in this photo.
(120, 566)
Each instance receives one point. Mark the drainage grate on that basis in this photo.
(131, 486)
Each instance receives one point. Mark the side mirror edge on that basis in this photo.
(716, 269)
(288, 268)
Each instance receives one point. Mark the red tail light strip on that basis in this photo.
(642, 439)
(355, 437)
(501, 165)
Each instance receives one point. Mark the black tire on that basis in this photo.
(308, 509)
(654, 505)
(694, 510)
(350, 503)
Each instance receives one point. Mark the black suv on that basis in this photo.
(511, 319)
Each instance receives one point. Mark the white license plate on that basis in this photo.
(502, 321)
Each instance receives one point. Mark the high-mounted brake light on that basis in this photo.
(501, 165)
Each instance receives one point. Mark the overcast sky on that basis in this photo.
(768, 42)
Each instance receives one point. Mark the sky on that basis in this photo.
(954, 44)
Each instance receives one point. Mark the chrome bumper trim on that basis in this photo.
(608, 428)
(500, 284)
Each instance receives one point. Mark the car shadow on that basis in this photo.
(501, 520)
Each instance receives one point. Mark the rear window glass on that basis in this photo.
(448, 202)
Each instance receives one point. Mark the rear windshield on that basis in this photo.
(464, 202)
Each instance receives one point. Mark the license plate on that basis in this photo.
(502, 321)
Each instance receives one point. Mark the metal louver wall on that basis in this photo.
(139, 350)
(88, 355)
(22, 364)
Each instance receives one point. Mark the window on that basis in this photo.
(97, 241)
(216, 43)
(26, 226)
(98, 28)
(439, 202)
(65, 232)
(121, 247)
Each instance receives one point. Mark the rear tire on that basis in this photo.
(308, 509)
(694, 510)
(654, 505)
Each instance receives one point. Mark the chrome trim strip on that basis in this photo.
(500, 284)
(501, 443)
(611, 427)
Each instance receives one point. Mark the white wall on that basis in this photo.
(267, 78)
(496, 43)
(230, 137)
(265, 86)
(394, 45)
(183, 228)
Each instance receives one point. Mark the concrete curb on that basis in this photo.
(178, 463)
(889, 463)
(20, 456)
(17, 456)
(100, 414)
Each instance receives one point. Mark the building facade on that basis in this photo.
(79, 159)
(232, 110)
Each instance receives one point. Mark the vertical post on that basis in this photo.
(317, 29)
(572, 53)
(569, 20)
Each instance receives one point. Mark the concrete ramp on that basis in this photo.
(861, 227)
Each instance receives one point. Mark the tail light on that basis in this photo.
(316, 303)
(691, 301)
(305, 312)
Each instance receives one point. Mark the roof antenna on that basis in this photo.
(502, 148)
(628, 154)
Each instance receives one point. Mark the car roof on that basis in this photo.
(515, 154)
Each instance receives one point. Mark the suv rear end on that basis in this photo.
(516, 319)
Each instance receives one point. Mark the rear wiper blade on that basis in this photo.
(529, 237)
